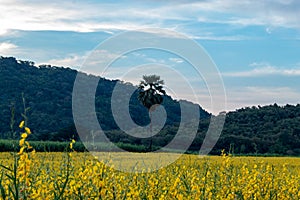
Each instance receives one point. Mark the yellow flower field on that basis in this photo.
(80, 176)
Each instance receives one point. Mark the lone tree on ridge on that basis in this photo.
(151, 95)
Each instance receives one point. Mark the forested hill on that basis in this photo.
(266, 129)
(47, 90)
(48, 93)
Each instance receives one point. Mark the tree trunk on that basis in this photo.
(150, 145)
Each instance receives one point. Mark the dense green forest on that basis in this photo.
(268, 129)
(48, 89)
(48, 93)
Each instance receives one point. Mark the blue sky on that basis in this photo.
(255, 44)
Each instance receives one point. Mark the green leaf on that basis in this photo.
(6, 167)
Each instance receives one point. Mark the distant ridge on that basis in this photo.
(48, 93)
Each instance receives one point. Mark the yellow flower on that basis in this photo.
(24, 135)
(71, 143)
(22, 124)
(28, 145)
(21, 142)
(21, 150)
(27, 130)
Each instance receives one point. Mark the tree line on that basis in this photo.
(48, 89)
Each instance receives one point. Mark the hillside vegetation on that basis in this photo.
(48, 90)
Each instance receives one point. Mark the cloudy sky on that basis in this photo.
(255, 44)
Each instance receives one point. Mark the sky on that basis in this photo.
(254, 44)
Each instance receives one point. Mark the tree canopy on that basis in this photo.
(151, 91)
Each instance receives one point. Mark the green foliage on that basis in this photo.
(48, 92)
(253, 130)
(42, 146)
(153, 94)
(269, 129)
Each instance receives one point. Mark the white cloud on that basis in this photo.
(73, 61)
(264, 69)
(8, 49)
(244, 12)
(62, 16)
(103, 16)
(88, 62)
(253, 96)
(3, 32)
(176, 60)
(209, 36)
(249, 12)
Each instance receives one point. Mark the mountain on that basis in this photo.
(47, 91)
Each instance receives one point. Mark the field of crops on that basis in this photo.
(80, 176)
